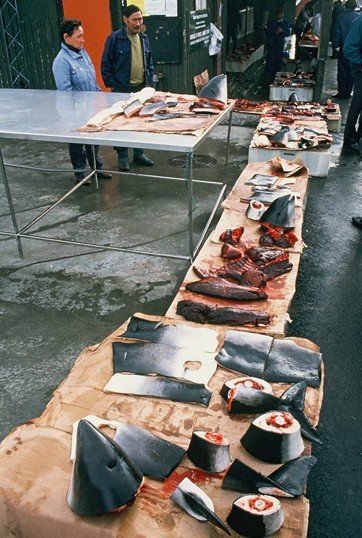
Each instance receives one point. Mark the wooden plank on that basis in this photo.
(36, 466)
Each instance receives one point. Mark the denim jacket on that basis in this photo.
(74, 71)
(116, 61)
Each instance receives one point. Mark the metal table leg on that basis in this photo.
(10, 203)
(189, 179)
(228, 149)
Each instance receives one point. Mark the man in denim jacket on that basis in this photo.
(73, 71)
(127, 67)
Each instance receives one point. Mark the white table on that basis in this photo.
(54, 116)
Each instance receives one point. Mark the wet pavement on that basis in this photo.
(58, 298)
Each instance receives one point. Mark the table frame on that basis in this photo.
(70, 136)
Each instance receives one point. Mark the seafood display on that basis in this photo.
(210, 451)
(290, 480)
(274, 437)
(232, 237)
(196, 503)
(281, 361)
(277, 236)
(246, 381)
(170, 361)
(261, 180)
(152, 108)
(159, 387)
(276, 133)
(244, 479)
(255, 210)
(293, 363)
(216, 89)
(244, 352)
(281, 212)
(249, 399)
(256, 516)
(133, 108)
(219, 315)
(154, 456)
(177, 334)
(266, 195)
(103, 478)
(220, 287)
(229, 252)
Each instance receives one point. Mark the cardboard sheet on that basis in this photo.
(240, 190)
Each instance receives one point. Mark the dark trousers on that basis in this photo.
(123, 152)
(273, 62)
(344, 76)
(352, 133)
(79, 154)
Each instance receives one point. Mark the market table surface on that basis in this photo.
(56, 116)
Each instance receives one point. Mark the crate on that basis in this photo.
(317, 162)
(233, 66)
(282, 93)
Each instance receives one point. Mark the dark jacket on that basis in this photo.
(353, 44)
(341, 28)
(116, 61)
(277, 40)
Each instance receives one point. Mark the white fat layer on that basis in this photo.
(269, 490)
(202, 434)
(243, 502)
(261, 422)
(232, 383)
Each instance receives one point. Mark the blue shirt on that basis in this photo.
(74, 71)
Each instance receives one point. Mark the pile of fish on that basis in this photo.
(299, 79)
(272, 133)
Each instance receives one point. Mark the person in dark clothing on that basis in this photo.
(233, 23)
(339, 34)
(127, 67)
(338, 9)
(352, 138)
(277, 30)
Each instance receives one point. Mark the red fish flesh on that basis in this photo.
(262, 255)
(220, 287)
(232, 237)
(216, 315)
(229, 252)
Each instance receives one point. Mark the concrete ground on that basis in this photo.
(60, 298)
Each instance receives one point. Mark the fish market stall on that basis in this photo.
(244, 57)
(85, 117)
(294, 110)
(36, 457)
(310, 141)
(285, 83)
(210, 262)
